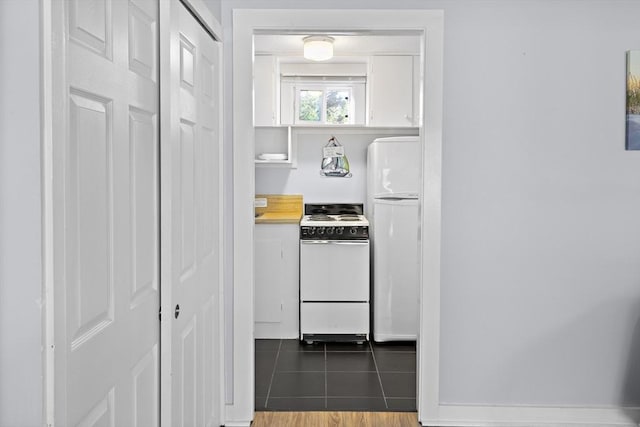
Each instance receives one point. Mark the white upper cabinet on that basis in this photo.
(391, 91)
(372, 80)
(264, 86)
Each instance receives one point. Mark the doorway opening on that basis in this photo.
(369, 89)
(246, 25)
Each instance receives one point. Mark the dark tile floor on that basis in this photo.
(293, 376)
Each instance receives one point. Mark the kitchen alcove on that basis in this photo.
(290, 375)
(247, 25)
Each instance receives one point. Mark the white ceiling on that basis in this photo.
(344, 45)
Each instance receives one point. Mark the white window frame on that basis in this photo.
(324, 88)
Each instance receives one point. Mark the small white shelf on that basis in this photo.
(274, 140)
(273, 162)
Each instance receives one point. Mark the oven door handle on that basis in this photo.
(335, 242)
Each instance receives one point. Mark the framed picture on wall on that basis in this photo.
(633, 100)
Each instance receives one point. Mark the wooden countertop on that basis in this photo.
(278, 218)
(280, 209)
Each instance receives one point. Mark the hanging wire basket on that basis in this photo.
(334, 161)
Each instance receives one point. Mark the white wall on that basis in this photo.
(306, 178)
(540, 268)
(216, 8)
(20, 230)
(541, 274)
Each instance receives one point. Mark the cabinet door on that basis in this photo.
(391, 91)
(268, 277)
(276, 295)
(264, 85)
(290, 286)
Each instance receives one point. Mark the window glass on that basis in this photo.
(310, 105)
(337, 106)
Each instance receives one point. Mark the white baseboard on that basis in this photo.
(530, 416)
(266, 330)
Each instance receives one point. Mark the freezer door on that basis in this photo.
(394, 167)
(334, 270)
(395, 270)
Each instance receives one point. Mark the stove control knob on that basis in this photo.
(320, 231)
(312, 231)
(330, 230)
(353, 230)
(339, 230)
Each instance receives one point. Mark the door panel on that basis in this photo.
(90, 222)
(143, 36)
(105, 189)
(210, 379)
(102, 414)
(90, 25)
(190, 254)
(144, 382)
(187, 373)
(144, 237)
(187, 222)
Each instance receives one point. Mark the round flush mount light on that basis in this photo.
(318, 48)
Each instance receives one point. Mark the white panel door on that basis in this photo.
(105, 212)
(191, 233)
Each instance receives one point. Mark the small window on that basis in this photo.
(337, 106)
(310, 102)
(324, 105)
(322, 100)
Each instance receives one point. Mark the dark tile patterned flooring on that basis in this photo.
(294, 376)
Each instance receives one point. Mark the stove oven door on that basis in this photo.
(334, 270)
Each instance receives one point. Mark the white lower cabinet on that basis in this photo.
(276, 290)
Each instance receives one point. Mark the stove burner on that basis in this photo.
(349, 218)
(321, 217)
(333, 209)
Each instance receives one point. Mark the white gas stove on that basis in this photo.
(334, 273)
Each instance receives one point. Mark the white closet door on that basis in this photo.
(105, 212)
(191, 201)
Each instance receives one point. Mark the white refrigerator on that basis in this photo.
(394, 174)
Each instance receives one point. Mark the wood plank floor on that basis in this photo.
(336, 419)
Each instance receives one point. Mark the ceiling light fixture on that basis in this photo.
(318, 48)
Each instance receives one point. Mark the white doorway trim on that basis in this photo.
(245, 24)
